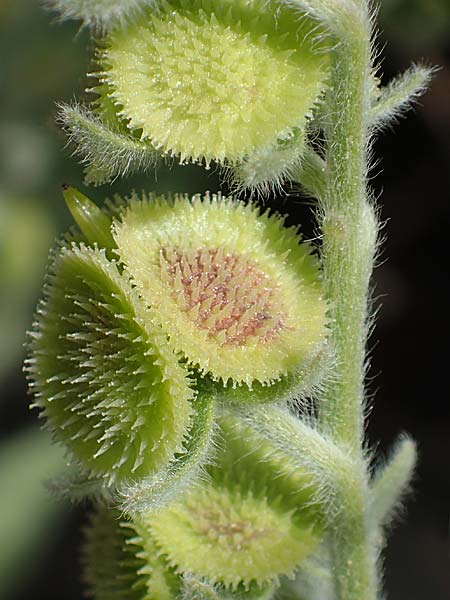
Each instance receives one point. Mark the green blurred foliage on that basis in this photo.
(26, 511)
(26, 232)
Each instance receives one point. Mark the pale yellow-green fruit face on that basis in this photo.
(231, 537)
(234, 290)
(209, 80)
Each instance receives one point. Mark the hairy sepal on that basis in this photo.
(392, 482)
(333, 475)
(312, 173)
(101, 15)
(269, 167)
(314, 580)
(393, 101)
(107, 152)
(335, 15)
(256, 462)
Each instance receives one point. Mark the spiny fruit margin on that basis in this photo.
(119, 564)
(211, 80)
(234, 289)
(230, 535)
(109, 386)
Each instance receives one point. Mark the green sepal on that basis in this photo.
(257, 463)
(267, 168)
(313, 581)
(392, 482)
(391, 102)
(311, 455)
(312, 173)
(337, 17)
(100, 15)
(92, 220)
(107, 152)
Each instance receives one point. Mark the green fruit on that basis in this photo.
(234, 289)
(106, 381)
(231, 536)
(251, 521)
(120, 565)
(211, 80)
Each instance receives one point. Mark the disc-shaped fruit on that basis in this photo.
(213, 79)
(231, 537)
(109, 386)
(120, 564)
(234, 289)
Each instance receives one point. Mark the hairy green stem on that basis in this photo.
(349, 240)
(349, 237)
(339, 480)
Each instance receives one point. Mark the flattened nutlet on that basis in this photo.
(233, 534)
(110, 388)
(207, 80)
(121, 561)
(122, 564)
(249, 523)
(234, 289)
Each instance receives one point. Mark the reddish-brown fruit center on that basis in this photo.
(225, 294)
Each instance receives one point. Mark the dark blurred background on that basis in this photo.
(42, 62)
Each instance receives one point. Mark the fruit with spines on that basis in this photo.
(105, 379)
(166, 71)
(120, 564)
(234, 290)
(251, 521)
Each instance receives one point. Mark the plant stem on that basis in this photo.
(354, 558)
(349, 240)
